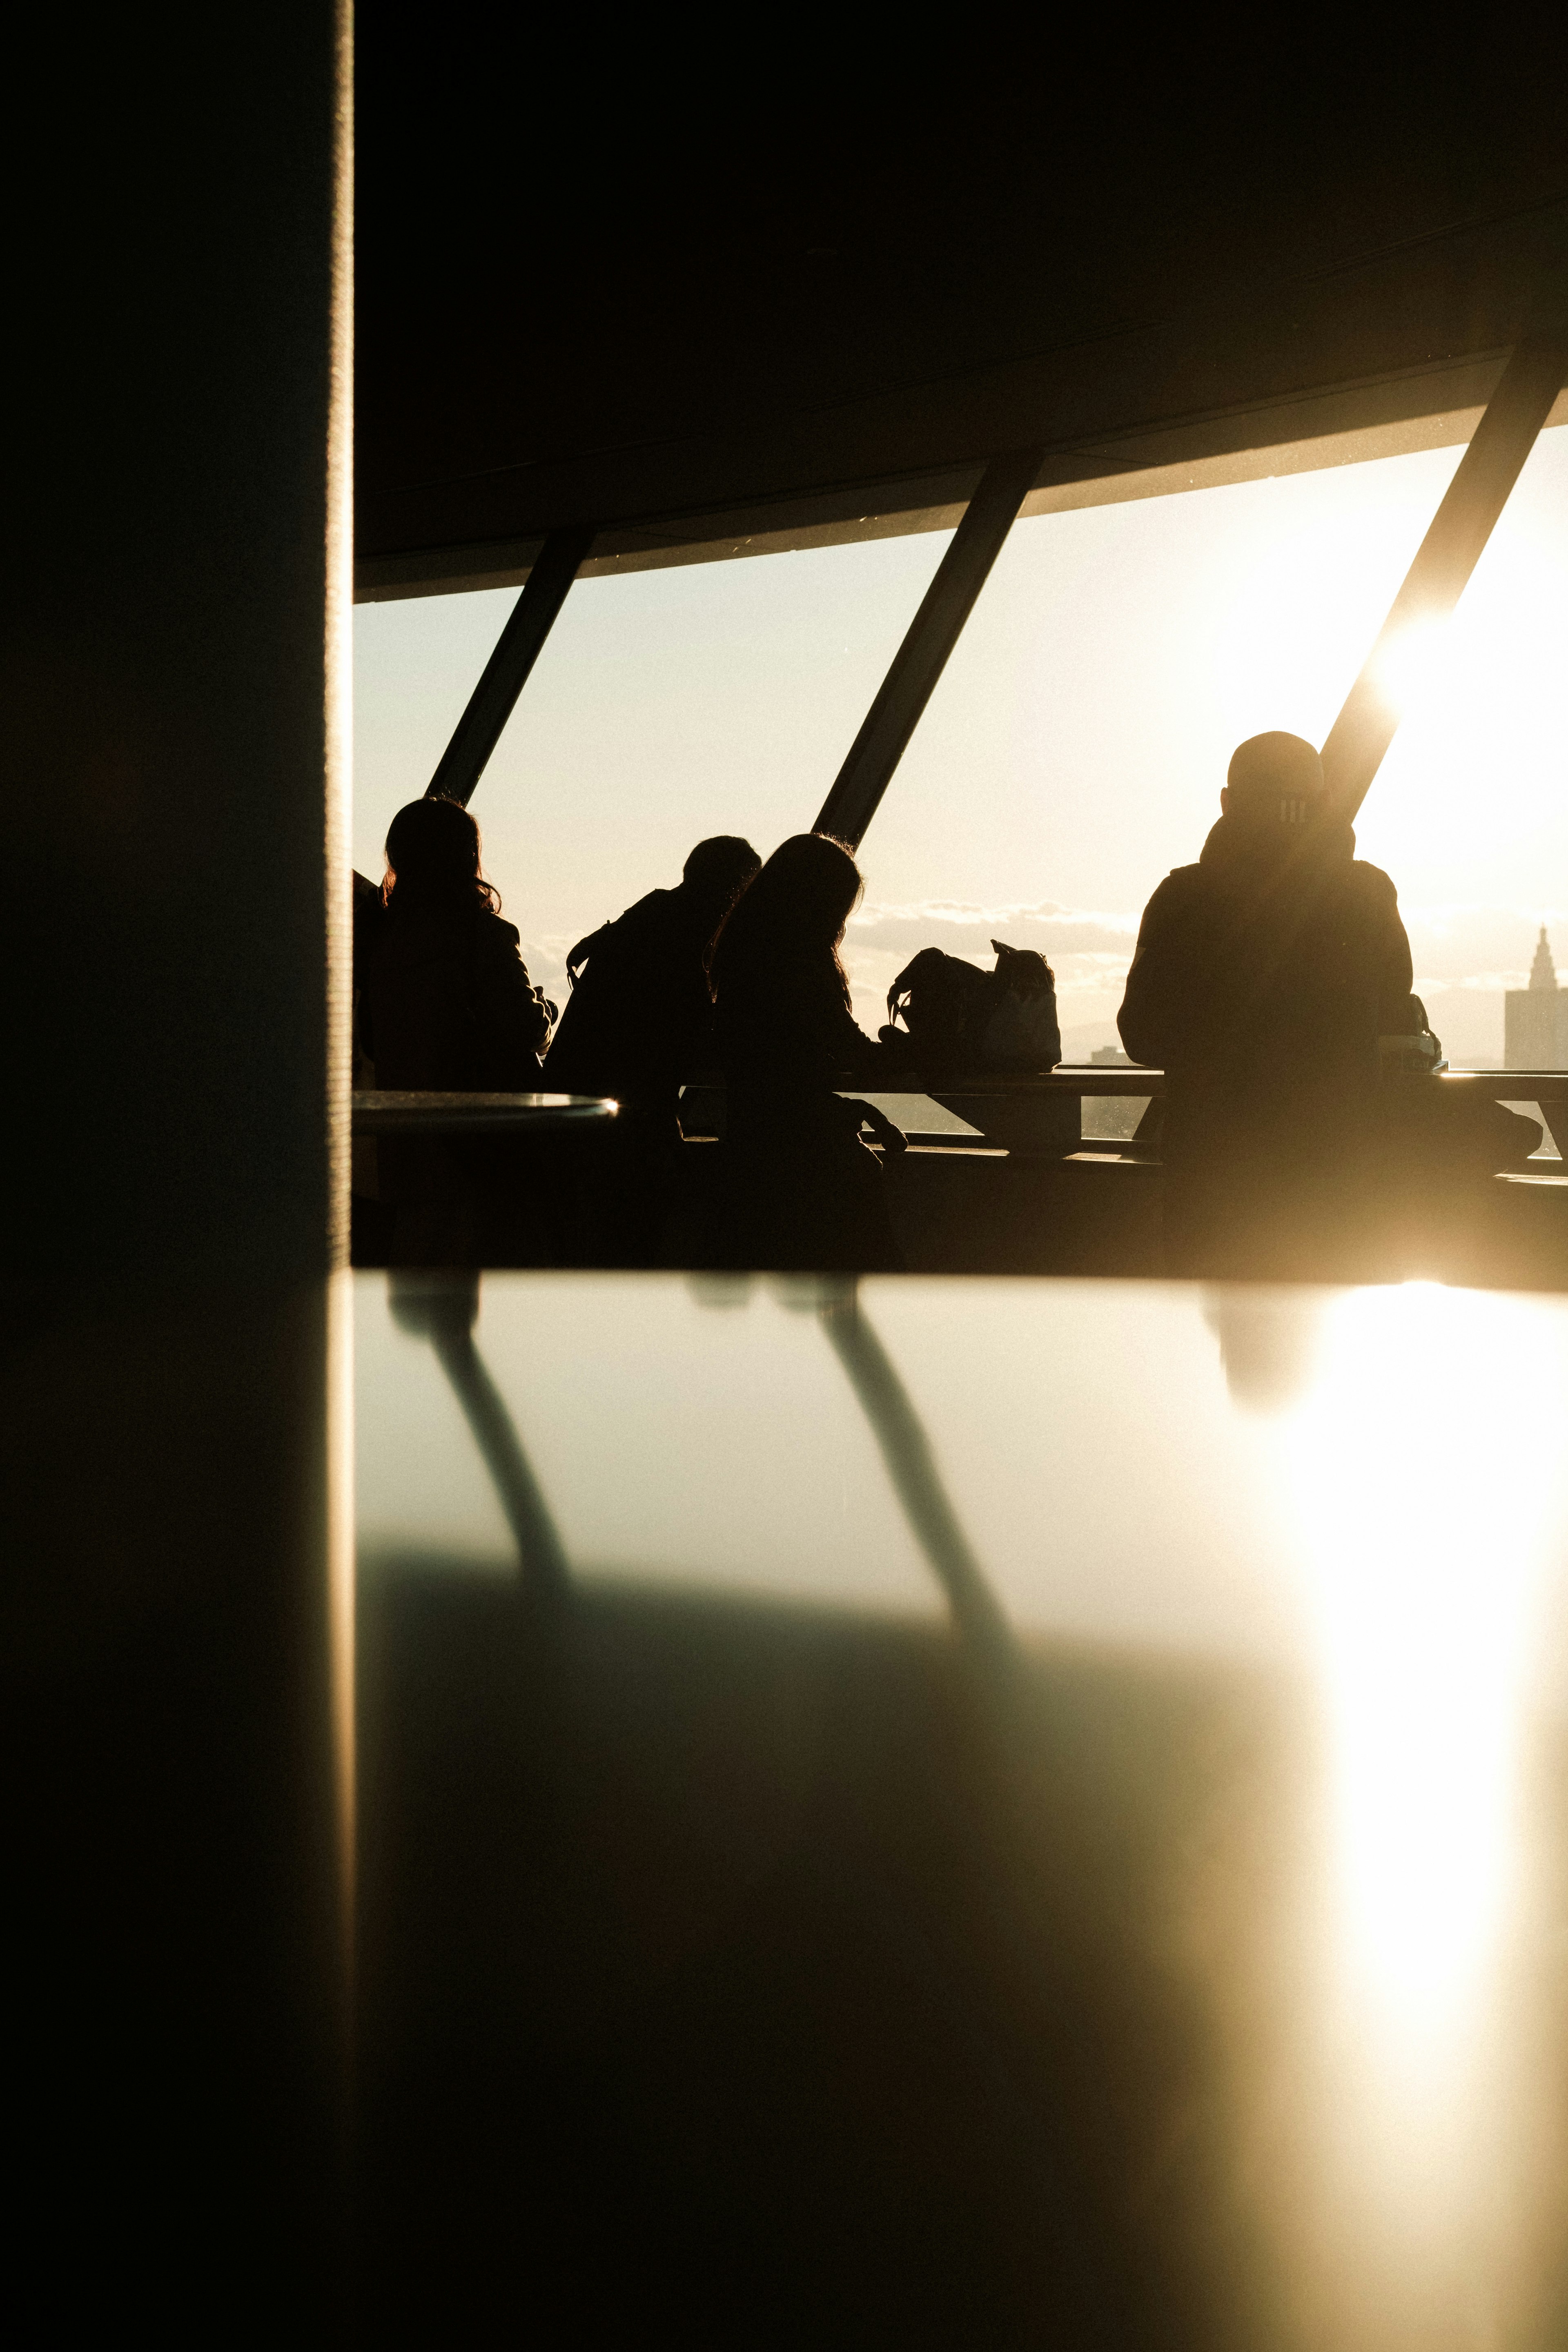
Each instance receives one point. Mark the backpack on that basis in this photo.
(956, 1014)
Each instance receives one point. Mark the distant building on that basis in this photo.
(1535, 1019)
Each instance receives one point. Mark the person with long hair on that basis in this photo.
(802, 1192)
(447, 1006)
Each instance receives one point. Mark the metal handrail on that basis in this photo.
(1102, 1080)
(1546, 1088)
(387, 1112)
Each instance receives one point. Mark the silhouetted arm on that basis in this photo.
(514, 1015)
(851, 1050)
(1152, 1016)
(1396, 976)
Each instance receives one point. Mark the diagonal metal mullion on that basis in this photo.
(493, 700)
(443, 1307)
(931, 637)
(911, 1468)
(1459, 529)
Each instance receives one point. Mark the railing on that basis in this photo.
(966, 1093)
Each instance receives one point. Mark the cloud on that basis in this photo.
(1088, 948)
(1485, 983)
(545, 955)
(962, 928)
(1483, 946)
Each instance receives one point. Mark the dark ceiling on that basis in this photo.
(577, 305)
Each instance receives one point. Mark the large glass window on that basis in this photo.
(1073, 751)
(1075, 747)
(666, 706)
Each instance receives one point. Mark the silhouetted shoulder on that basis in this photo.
(1374, 883)
(495, 937)
(655, 912)
(1156, 1006)
(1183, 886)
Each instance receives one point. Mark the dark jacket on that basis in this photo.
(788, 1030)
(1263, 978)
(447, 1004)
(640, 1015)
(804, 1195)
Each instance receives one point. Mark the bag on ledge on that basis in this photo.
(956, 1016)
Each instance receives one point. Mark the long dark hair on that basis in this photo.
(794, 912)
(433, 859)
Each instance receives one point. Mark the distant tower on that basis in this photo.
(1535, 1019)
(1543, 972)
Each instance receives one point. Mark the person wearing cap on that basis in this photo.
(1262, 979)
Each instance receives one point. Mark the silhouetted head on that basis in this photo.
(795, 909)
(717, 872)
(433, 858)
(1275, 783)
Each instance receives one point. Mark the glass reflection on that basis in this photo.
(444, 1309)
(342, 1596)
(1268, 1573)
(1423, 1460)
(1424, 1578)
(912, 1469)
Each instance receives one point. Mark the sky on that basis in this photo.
(1075, 746)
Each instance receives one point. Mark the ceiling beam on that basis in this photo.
(1436, 407)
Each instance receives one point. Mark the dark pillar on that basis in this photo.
(175, 908)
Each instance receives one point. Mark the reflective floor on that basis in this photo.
(1006, 1813)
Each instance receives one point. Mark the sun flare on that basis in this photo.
(1479, 693)
(1410, 669)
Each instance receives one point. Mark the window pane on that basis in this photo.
(1074, 750)
(713, 698)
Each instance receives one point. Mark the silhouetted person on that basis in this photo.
(445, 1005)
(639, 1020)
(369, 922)
(371, 1219)
(804, 1192)
(1263, 978)
(640, 1014)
